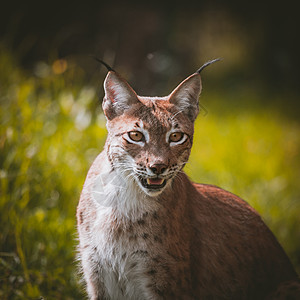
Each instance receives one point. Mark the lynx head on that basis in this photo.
(150, 138)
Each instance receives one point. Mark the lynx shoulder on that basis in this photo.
(147, 232)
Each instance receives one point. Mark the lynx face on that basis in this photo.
(151, 150)
(149, 139)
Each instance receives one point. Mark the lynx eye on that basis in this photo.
(176, 136)
(136, 136)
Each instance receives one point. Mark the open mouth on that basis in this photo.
(153, 183)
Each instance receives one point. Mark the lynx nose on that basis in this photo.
(158, 168)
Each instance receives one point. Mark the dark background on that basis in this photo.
(156, 43)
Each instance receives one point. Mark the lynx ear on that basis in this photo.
(119, 96)
(186, 96)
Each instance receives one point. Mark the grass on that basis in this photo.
(51, 130)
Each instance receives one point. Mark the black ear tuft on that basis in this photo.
(107, 66)
(207, 64)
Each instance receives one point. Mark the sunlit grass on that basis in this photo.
(51, 130)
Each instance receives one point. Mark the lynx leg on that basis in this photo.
(92, 276)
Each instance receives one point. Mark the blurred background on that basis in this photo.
(247, 139)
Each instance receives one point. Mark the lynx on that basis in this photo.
(147, 232)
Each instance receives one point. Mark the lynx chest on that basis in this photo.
(133, 257)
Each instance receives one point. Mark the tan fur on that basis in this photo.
(183, 240)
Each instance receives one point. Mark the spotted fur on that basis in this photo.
(147, 232)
